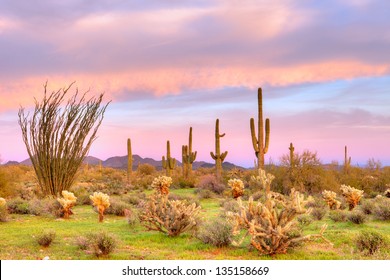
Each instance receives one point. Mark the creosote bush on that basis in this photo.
(101, 201)
(45, 238)
(217, 232)
(370, 242)
(171, 217)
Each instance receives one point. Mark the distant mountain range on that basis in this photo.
(120, 162)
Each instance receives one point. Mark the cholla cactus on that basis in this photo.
(264, 179)
(330, 199)
(352, 195)
(237, 187)
(162, 184)
(269, 224)
(101, 201)
(171, 217)
(67, 202)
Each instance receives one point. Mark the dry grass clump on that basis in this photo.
(237, 187)
(161, 184)
(67, 202)
(101, 201)
(330, 199)
(351, 195)
(171, 217)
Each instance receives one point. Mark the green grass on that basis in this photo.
(135, 243)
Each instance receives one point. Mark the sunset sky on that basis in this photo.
(324, 67)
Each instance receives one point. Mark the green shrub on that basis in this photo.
(82, 242)
(370, 241)
(230, 205)
(217, 232)
(338, 216)
(45, 238)
(17, 206)
(101, 243)
(117, 207)
(367, 206)
(204, 194)
(357, 217)
(304, 220)
(382, 209)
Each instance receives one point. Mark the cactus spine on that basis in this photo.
(291, 148)
(218, 157)
(347, 160)
(169, 163)
(259, 146)
(129, 160)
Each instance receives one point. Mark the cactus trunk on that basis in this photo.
(218, 157)
(169, 163)
(184, 154)
(129, 161)
(347, 161)
(291, 148)
(261, 142)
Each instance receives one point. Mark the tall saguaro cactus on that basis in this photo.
(188, 156)
(169, 163)
(347, 160)
(218, 157)
(291, 148)
(184, 156)
(261, 142)
(129, 160)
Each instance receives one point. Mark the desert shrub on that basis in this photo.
(230, 205)
(370, 242)
(134, 199)
(53, 207)
(351, 195)
(143, 182)
(36, 207)
(101, 243)
(171, 217)
(304, 220)
(101, 201)
(83, 199)
(217, 232)
(82, 242)
(387, 193)
(210, 182)
(45, 238)
(17, 206)
(190, 199)
(318, 213)
(145, 169)
(204, 194)
(357, 217)
(338, 216)
(117, 207)
(381, 210)
(367, 206)
(3, 210)
(131, 217)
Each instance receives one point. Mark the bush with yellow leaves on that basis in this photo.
(271, 224)
(237, 187)
(162, 184)
(330, 199)
(67, 202)
(101, 201)
(3, 210)
(351, 195)
(171, 217)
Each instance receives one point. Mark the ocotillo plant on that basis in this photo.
(260, 145)
(347, 161)
(129, 160)
(169, 163)
(218, 157)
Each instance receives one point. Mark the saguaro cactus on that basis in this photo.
(218, 157)
(260, 145)
(291, 148)
(169, 163)
(129, 160)
(184, 156)
(188, 156)
(347, 160)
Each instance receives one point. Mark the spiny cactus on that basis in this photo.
(264, 179)
(169, 163)
(129, 160)
(291, 148)
(330, 199)
(237, 187)
(162, 184)
(351, 195)
(347, 160)
(67, 202)
(101, 201)
(260, 145)
(188, 156)
(218, 157)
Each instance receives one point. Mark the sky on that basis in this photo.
(166, 66)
